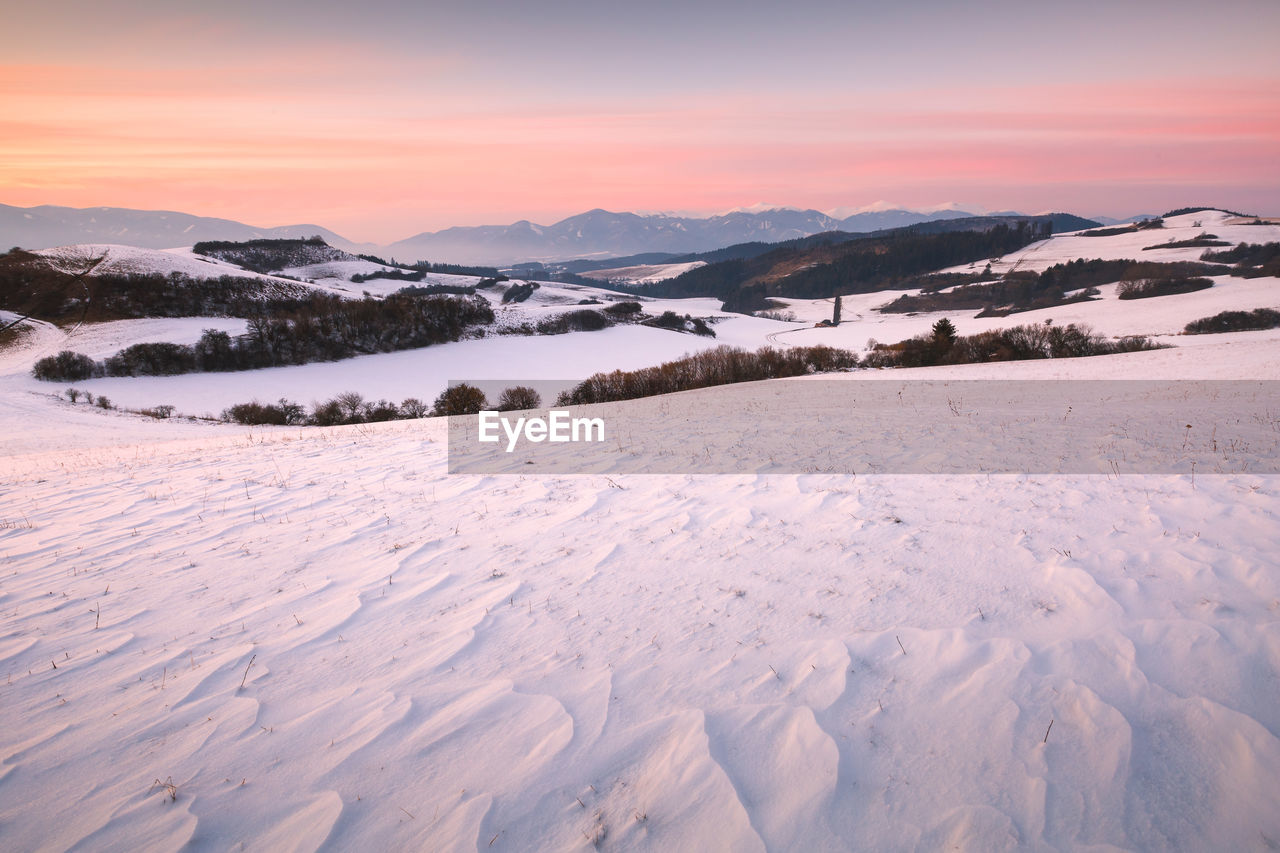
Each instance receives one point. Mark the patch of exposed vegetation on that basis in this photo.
(325, 328)
(719, 366)
(1235, 321)
(1016, 343)
(1144, 225)
(1146, 288)
(1252, 260)
(1185, 210)
(1202, 240)
(1060, 284)
(673, 321)
(269, 255)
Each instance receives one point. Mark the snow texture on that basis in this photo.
(214, 636)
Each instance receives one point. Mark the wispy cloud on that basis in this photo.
(273, 119)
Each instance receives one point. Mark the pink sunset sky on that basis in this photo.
(381, 120)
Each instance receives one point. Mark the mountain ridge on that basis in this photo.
(600, 232)
(47, 226)
(596, 233)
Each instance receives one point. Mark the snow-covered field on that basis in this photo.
(319, 637)
(644, 273)
(231, 638)
(1135, 244)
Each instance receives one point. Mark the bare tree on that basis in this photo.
(350, 401)
(412, 407)
(461, 399)
(518, 398)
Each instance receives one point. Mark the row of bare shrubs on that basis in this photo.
(346, 408)
(722, 365)
(1016, 343)
(351, 407)
(1235, 321)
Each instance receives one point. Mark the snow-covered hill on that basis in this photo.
(642, 273)
(49, 225)
(423, 373)
(1140, 244)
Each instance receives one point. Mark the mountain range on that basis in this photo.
(594, 234)
(602, 233)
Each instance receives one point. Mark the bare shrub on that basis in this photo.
(66, 366)
(412, 407)
(518, 398)
(462, 399)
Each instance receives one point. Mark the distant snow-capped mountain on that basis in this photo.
(594, 234)
(602, 233)
(48, 226)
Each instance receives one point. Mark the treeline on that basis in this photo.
(392, 275)
(267, 255)
(1149, 287)
(1246, 254)
(346, 408)
(1144, 225)
(208, 247)
(1235, 321)
(324, 328)
(427, 266)
(720, 366)
(894, 260)
(30, 285)
(436, 289)
(1028, 290)
(351, 407)
(1182, 210)
(1203, 240)
(1017, 343)
(1252, 260)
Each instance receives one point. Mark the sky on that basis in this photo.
(384, 119)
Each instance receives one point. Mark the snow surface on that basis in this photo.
(644, 273)
(130, 260)
(1067, 247)
(319, 638)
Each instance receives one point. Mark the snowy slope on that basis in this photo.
(1067, 247)
(130, 260)
(644, 273)
(296, 638)
(318, 638)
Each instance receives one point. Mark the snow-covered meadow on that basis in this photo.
(424, 373)
(317, 637)
(218, 637)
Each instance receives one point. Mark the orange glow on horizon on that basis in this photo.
(389, 163)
